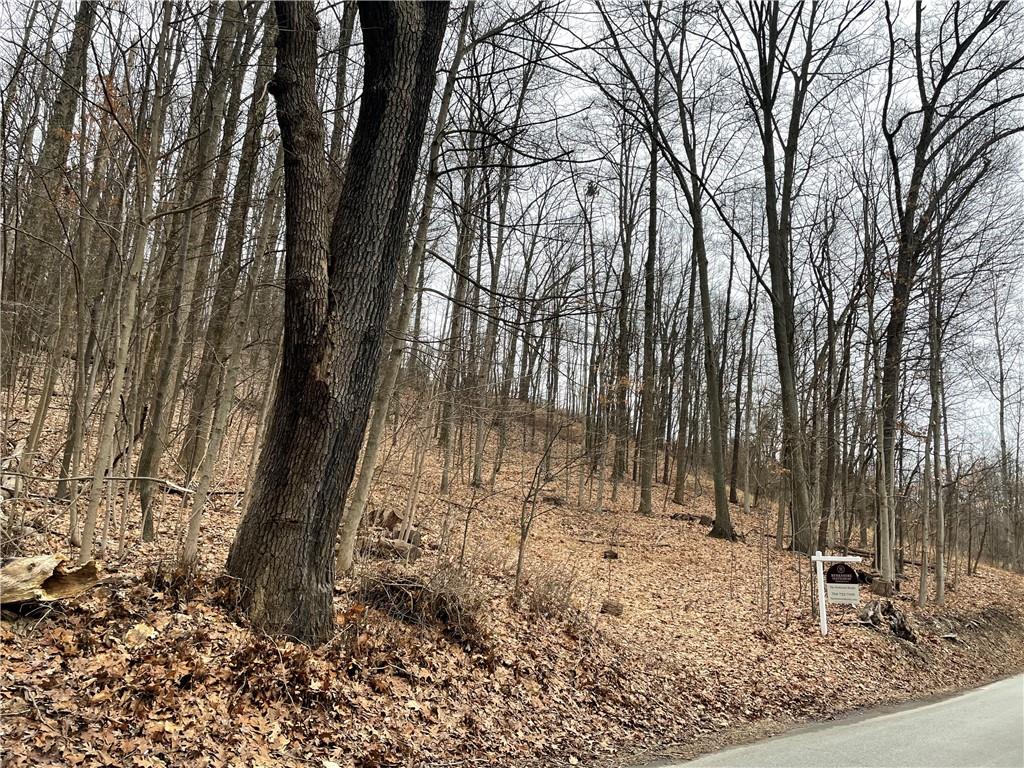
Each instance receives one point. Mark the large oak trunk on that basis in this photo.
(336, 302)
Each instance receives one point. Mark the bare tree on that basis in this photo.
(339, 290)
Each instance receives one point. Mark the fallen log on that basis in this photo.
(878, 612)
(687, 517)
(43, 578)
(379, 546)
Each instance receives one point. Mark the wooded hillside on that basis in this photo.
(523, 350)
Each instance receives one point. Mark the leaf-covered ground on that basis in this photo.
(715, 639)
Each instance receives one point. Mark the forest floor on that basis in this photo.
(715, 642)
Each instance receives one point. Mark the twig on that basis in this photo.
(173, 487)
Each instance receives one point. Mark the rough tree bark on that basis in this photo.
(336, 303)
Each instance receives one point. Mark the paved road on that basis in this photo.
(983, 728)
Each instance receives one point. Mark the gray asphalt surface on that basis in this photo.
(983, 728)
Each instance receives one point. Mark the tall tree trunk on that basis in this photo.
(623, 332)
(393, 362)
(937, 394)
(155, 441)
(145, 178)
(336, 304)
(239, 316)
(926, 483)
(73, 297)
(740, 366)
(340, 128)
(682, 436)
(214, 346)
(454, 342)
(884, 555)
(722, 527)
(40, 242)
(647, 399)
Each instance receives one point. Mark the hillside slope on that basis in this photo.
(714, 640)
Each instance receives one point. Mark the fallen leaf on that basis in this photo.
(138, 634)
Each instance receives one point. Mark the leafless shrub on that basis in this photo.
(447, 597)
(556, 594)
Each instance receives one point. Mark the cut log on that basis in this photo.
(879, 613)
(882, 588)
(410, 552)
(43, 578)
(390, 520)
(686, 517)
(408, 534)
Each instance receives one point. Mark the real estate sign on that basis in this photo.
(841, 584)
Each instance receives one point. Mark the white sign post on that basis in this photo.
(843, 592)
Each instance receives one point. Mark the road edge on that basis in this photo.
(749, 733)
